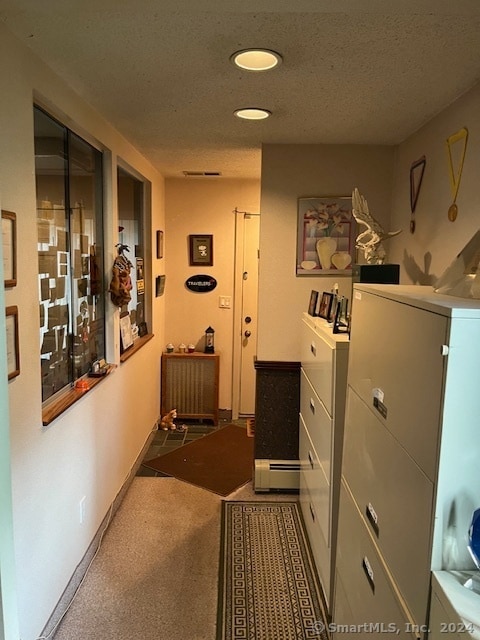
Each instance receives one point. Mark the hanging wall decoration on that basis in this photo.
(417, 170)
(456, 168)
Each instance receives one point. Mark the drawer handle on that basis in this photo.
(312, 512)
(310, 459)
(312, 406)
(369, 573)
(372, 518)
(313, 349)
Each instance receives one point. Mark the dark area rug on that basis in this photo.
(268, 587)
(220, 462)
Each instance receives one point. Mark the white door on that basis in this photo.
(248, 234)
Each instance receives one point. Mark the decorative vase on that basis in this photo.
(326, 247)
(341, 260)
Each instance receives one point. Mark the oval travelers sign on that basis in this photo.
(201, 283)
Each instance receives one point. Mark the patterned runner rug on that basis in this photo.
(268, 588)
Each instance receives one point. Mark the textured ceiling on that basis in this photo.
(160, 70)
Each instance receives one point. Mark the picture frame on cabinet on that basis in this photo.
(326, 231)
(200, 250)
(312, 305)
(9, 241)
(341, 322)
(13, 353)
(325, 309)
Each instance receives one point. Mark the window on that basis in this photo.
(131, 234)
(68, 173)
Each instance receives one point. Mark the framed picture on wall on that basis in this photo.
(13, 353)
(326, 232)
(9, 240)
(159, 244)
(200, 250)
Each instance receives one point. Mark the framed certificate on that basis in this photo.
(9, 221)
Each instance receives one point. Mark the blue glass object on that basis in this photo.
(474, 538)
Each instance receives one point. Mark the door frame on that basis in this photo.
(237, 307)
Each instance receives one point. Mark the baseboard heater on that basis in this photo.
(276, 475)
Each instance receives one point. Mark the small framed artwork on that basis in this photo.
(13, 353)
(325, 309)
(9, 240)
(325, 236)
(126, 333)
(200, 250)
(312, 306)
(159, 286)
(159, 244)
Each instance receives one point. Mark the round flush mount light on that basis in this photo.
(256, 59)
(252, 113)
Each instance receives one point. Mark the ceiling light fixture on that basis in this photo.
(256, 59)
(252, 113)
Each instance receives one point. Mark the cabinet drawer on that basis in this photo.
(316, 481)
(363, 587)
(318, 423)
(320, 548)
(395, 498)
(317, 362)
(386, 337)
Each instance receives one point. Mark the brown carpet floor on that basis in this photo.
(220, 462)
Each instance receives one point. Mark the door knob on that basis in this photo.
(247, 334)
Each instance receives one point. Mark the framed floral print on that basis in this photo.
(325, 236)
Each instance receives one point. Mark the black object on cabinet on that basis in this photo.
(376, 273)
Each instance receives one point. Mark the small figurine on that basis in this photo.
(371, 240)
(167, 422)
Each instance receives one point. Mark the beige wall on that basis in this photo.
(289, 172)
(89, 450)
(204, 206)
(424, 255)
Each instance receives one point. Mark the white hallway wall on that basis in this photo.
(89, 450)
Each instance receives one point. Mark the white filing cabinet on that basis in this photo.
(454, 609)
(410, 479)
(324, 357)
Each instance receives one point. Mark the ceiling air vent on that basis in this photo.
(202, 174)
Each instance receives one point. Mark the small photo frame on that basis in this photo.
(200, 250)
(159, 286)
(312, 305)
(159, 244)
(126, 333)
(341, 323)
(13, 353)
(325, 309)
(9, 240)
